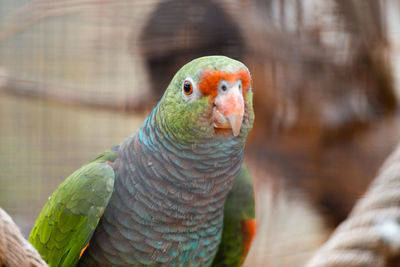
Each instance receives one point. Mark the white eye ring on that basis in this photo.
(189, 89)
(223, 86)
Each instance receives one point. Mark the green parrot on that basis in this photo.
(173, 194)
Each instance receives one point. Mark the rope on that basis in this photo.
(15, 251)
(370, 236)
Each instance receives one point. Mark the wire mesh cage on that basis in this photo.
(79, 76)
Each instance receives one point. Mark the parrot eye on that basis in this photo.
(187, 88)
(223, 86)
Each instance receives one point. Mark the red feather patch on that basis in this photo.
(249, 228)
(209, 80)
(83, 250)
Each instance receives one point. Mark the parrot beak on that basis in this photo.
(229, 109)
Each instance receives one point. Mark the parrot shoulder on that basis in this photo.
(72, 213)
(239, 222)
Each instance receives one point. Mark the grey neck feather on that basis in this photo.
(196, 174)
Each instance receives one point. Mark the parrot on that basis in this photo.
(174, 193)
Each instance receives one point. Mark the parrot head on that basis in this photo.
(209, 97)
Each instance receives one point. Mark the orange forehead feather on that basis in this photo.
(209, 80)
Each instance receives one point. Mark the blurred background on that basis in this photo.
(78, 76)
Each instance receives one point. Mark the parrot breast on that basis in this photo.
(167, 207)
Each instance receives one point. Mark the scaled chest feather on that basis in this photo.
(165, 209)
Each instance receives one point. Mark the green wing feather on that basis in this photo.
(239, 206)
(71, 214)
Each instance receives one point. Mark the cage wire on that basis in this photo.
(79, 76)
(73, 53)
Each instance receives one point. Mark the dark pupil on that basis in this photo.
(187, 87)
(223, 87)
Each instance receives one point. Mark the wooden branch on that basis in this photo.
(15, 251)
